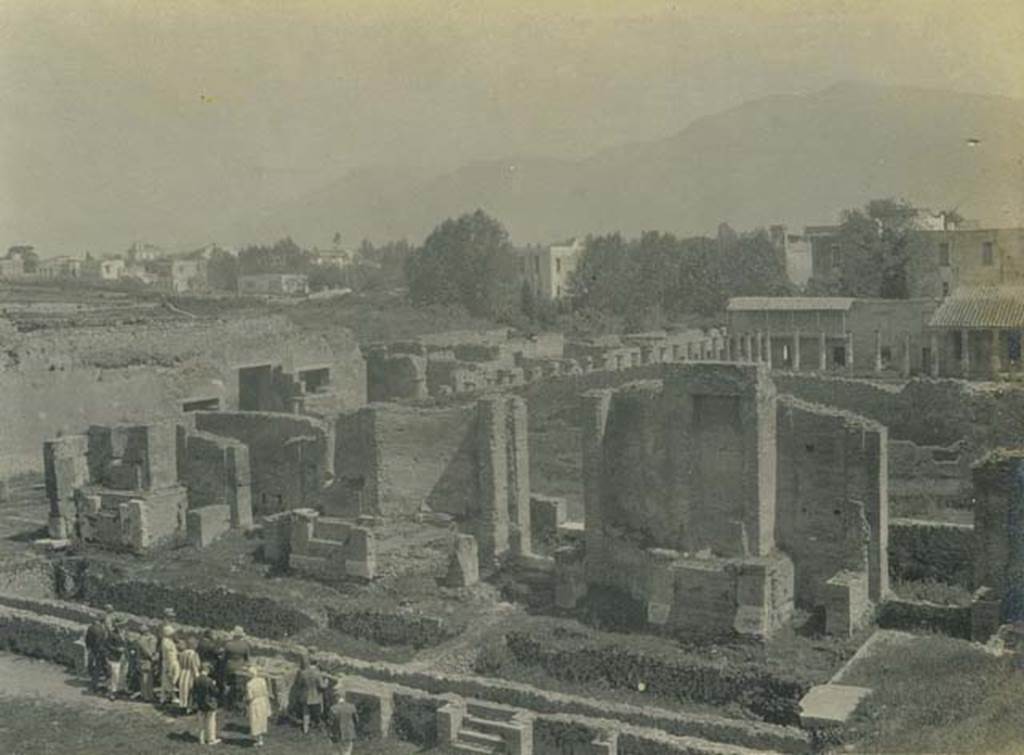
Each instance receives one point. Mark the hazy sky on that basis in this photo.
(162, 120)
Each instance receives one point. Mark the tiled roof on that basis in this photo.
(982, 307)
(789, 303)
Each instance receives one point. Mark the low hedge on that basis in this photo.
(770, 696)
(215, 607)
(417, 630)
(917, 616)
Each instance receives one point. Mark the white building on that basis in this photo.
(548, 271)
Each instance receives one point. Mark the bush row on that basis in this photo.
(215, 607)
(394, 628)
(771, 697)
(930, 617)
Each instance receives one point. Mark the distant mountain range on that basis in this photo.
(793, 159)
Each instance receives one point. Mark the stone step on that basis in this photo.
(490, 726)
(481, 739)
(468, 749)
(490, 711)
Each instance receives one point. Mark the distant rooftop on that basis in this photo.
(982, 307)
(789, 303)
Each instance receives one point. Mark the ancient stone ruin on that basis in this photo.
(717, 504)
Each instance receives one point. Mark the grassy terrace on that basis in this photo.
(938, 695)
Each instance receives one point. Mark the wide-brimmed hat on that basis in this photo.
(238, 632)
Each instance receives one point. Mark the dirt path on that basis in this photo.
(28, 677)
(457, 656)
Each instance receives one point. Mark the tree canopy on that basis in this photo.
(467, 262)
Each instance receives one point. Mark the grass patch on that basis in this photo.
(938, 695)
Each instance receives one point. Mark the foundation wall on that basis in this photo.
(65, 379)
(290, 456)
(832, 496)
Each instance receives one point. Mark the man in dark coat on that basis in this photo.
(147, 656)
(96, 645)
(236, 661)
(341, 722)
(206, 696)
(309, 692)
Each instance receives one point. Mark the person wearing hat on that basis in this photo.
(188, 659)
(341, 722)
(206, 696)
(236, 661)
(96, 645)
(257, 703)
(170, 668)
(146, 653)
(114, 653)
(309, 691)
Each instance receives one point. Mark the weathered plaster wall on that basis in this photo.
(61, 380)
(290, 456)
(832, 496)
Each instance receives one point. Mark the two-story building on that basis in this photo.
(548, 271)
(853, 336)
(273, 284)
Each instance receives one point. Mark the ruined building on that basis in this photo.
(716, 504)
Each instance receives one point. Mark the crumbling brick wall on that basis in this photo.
(832, 512)
(290, 456)
(999, 528)
(216, 471)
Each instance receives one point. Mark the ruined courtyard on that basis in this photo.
(652, 544)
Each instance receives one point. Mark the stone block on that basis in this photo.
(546, 514)
(375, 704)
(985, 614)
(847, 606)
(829, 705)
(464, 562)
(204, 525)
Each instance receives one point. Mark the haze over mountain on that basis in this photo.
(794, 159)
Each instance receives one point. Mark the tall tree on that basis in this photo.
(466, 261)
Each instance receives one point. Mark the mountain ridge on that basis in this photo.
(784, 158)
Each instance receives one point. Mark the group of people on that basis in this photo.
(204, 674)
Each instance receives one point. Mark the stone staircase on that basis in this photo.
(474, 727)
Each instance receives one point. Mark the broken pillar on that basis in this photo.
(999, 529)
(464, 563)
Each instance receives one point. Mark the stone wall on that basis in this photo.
(925, 411)
(832, 510)
(290, 456)
(939, 475)
(216, 472)
(60, 380)
(999, 529)
(324, 547)
(468, 461)
(418, 694)
(926, 550)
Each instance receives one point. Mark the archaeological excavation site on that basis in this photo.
(663, 543)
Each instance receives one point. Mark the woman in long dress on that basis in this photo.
(169, 666)
(257, 704)
(188, 659)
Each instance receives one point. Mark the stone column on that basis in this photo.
(822, 352)
(758, 352)
(997, 361)
(492, 525)
(748, 347)
(730, 349)
(878, 351)
(965, 352)
(849, 353)
(768, 348)
(594, 410)
(796, 350)
(906, 356)
(934, 366)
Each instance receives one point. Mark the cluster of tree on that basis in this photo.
(466, 262)
(659, 276)
(641, 282)
(878, 247)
